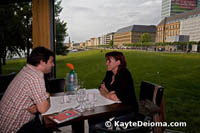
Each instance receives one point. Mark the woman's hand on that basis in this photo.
(32, 109)
(111, 95)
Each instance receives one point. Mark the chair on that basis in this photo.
(5, 81)
(148, 91)
(55, 85)
(154, 93)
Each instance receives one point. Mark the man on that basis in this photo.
(26, 94)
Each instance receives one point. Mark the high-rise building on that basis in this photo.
(173, 7)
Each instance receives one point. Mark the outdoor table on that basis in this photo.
(107, 109)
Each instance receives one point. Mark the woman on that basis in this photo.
(117, 85)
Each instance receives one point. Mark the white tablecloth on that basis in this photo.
(58, 106)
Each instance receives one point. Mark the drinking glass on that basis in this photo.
(65, 98)
(91, 101)
(81, 98)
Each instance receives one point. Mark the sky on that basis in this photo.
(94, 18)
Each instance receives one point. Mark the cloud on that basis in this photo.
(94, 18)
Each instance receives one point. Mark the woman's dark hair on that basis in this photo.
(38, 54)
(117, 56)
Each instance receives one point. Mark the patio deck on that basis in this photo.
(67, 129)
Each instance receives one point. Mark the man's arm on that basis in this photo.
(32, 109)
(44, 106)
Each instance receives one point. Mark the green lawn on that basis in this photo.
(178, 73)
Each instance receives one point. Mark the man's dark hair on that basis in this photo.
(38, 54)
(117, 56)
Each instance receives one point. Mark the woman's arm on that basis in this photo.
(124, 87)
(103, 90)
(110, 95)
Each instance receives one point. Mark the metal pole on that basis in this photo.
(52, 34)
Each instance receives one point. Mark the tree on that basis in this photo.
(25, 15)
(111, 43)
(16, 28)
(61, 30)
(145, 38)
(7, 16)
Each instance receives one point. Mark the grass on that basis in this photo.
(178, 73)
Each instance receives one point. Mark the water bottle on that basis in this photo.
(71, 80)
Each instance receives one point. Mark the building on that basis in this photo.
(82, 44)
(191, 26)
(179, 38)
(187, 24)
(132, 34)
(173, 7)
(109, 37)
(92, 41)
(98, 40)
(103, 40)
(87, 43)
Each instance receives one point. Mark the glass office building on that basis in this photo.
(172, 7)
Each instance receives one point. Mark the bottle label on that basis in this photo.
(71, 81)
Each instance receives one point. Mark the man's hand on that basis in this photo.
(32, 109)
